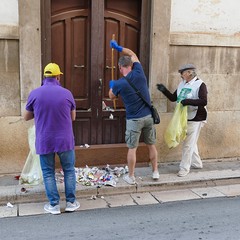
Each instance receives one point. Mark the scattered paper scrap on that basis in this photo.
(90, 176)
(23, 190)
(85, 146)
(9, 205)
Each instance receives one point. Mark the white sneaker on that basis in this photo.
(183, 173)
(129, 180)
(197, 167)
(71, 207)
(155, 175)
(52, 209)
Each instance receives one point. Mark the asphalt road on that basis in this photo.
(215, 218)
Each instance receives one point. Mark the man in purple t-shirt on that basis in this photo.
(53, 109)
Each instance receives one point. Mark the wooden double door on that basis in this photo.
(78, 40)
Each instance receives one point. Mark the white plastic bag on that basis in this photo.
(32, 172)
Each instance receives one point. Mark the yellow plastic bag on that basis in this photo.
(177, 127)
(32, 172)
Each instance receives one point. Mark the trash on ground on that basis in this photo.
(93, 197)
(9, 205)
(23, 189)
(17, 177)
(90, 176)
(107, 108)
(85, 146)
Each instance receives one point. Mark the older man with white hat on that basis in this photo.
(191, 92)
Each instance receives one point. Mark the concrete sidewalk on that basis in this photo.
(218, 178)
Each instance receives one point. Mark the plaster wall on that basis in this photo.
(211, 42)
(9, 78)
(215, 16)
(20, 71)
(9, 12)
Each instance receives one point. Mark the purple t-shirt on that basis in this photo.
(51, 105)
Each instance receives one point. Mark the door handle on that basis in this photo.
(100, 81)
(107, 67)
(100, 87)
(79, 66)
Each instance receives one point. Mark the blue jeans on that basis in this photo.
(67, 160)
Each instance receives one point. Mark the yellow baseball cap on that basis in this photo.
(52, 69)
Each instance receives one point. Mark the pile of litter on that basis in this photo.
(95, 176)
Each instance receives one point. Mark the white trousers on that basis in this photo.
(190, 155)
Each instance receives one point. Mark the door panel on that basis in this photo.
(80, 34)
(80, 84)
(126, 34)
(58, 29)
(69, 50)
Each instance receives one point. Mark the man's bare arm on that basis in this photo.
(73, 115)
(131, 54)
(28, 115)
(126, 51)
(111, 95)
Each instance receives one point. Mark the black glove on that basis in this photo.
(161, 87)
(184, 102)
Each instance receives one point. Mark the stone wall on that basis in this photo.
(216, 56)
(20, 71)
